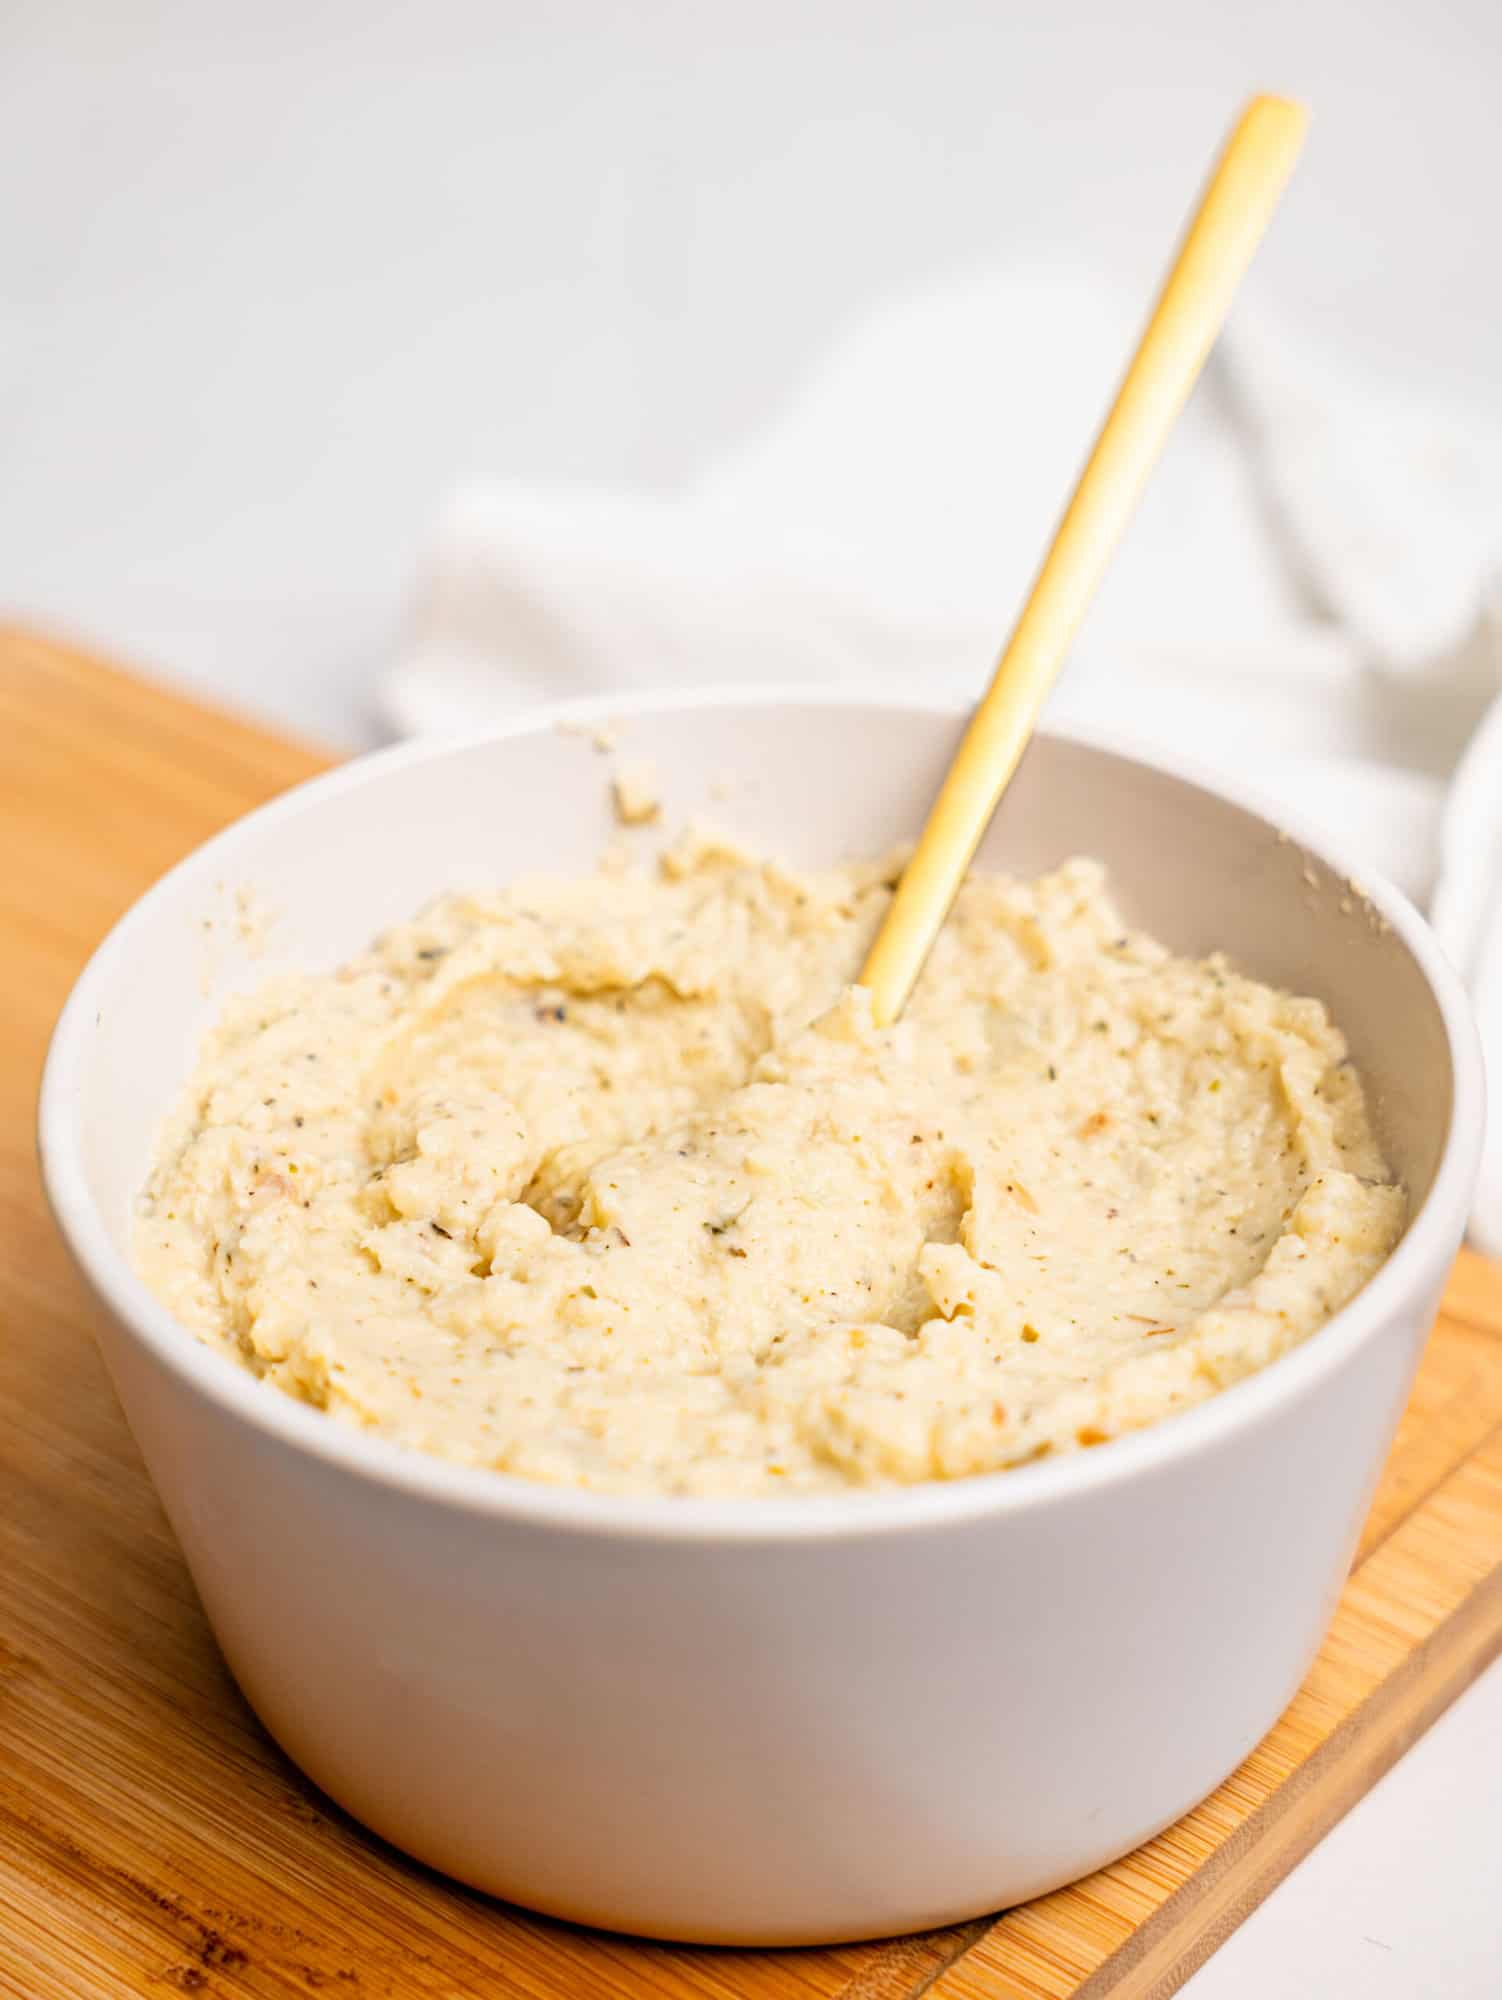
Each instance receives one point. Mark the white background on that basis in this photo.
(273, 279)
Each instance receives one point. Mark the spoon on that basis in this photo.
(1233, 212)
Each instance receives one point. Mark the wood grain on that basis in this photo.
(153, 1841)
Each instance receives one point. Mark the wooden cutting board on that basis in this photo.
(153, 1841)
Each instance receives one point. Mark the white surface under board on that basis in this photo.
(1403, 1899)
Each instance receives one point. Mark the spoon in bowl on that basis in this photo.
(1233, 212)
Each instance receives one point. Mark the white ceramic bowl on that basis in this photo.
(769, 1720)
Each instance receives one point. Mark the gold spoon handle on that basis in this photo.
(1233, 212)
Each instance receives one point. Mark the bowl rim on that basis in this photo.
(1427, 1242)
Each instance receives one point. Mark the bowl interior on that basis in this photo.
(817, 780)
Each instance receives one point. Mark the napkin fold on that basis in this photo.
(1310, 597)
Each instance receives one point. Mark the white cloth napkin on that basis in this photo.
(1309, 596)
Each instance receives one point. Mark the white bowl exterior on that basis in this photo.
(765, 1722)
(785, 1741)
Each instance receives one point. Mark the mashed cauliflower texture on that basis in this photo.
(612, 1182)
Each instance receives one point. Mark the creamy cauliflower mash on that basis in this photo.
(612, 1182)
